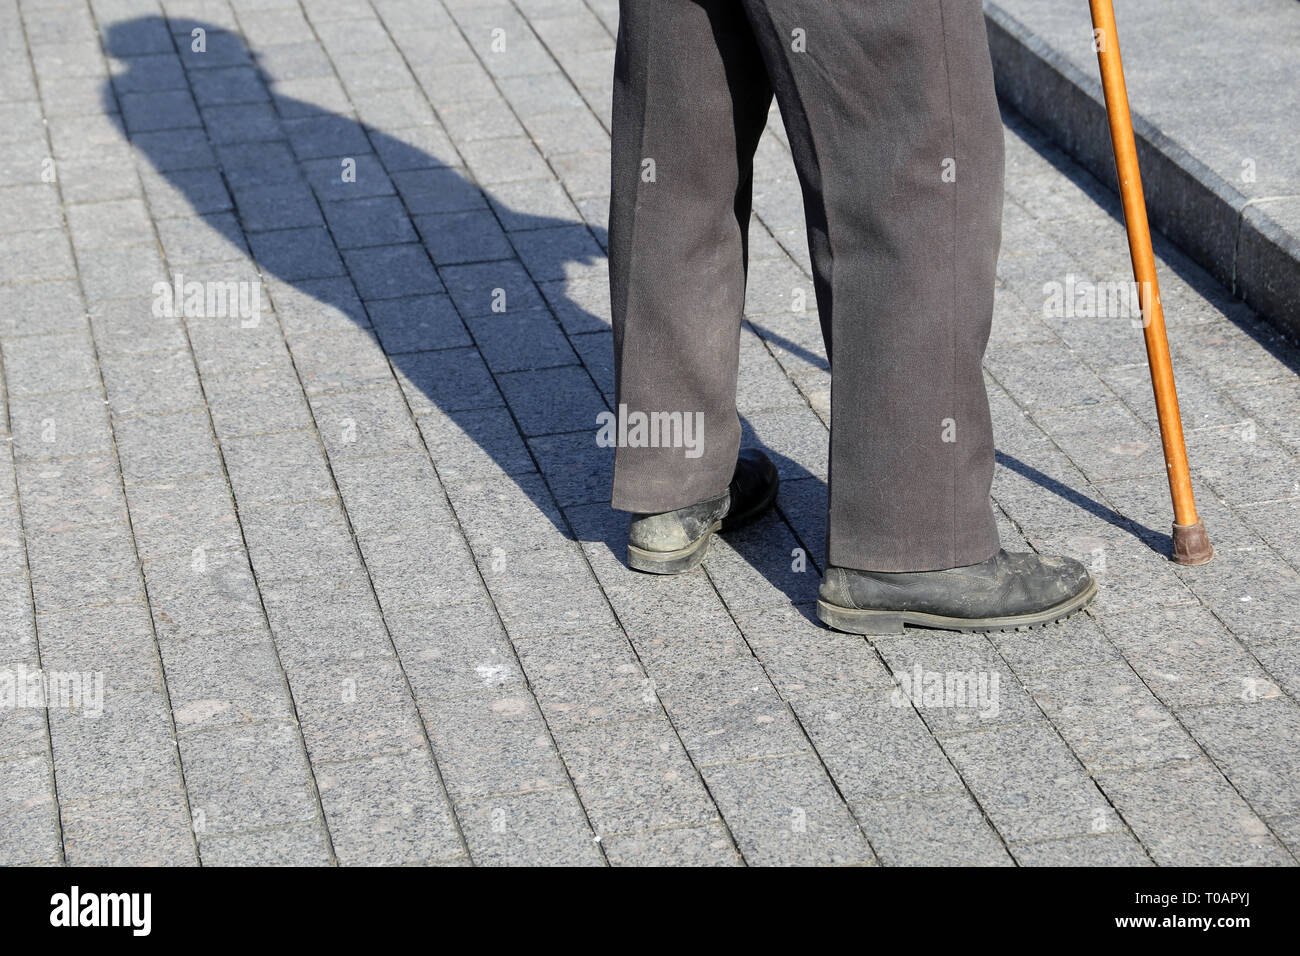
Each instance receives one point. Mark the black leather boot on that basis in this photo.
(677, 541)
(1005, 592)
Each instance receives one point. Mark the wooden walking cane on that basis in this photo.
(1191, 543)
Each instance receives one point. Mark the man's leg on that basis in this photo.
(690, 101)
(898, 142)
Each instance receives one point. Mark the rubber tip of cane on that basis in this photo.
(1192, 544)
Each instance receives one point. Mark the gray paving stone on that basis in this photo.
(71, 493)
(1110, 718)
(297, 253)
(1241, 468)
(501, 164)
(1075, 642)
(323, 620)
(455, 238)
(41, 309)
(491, 287)
(545, 592)
(1027, 781)
(224, 680)
(1104, 440)
(192, 192)
(30, 834)
(260, 401)
(203, 593)
(95, 565)
(266, 469)
(703, 845)
(531, 205)
(587, 677)
(127, 747)
(577, 470)
(167, 447)
(177, 517)
(795, 438)
(521, 341)
(419, 566)
(391, 492)
(302, 845)
(933, 829)
(476, 443)
(1187, 815)
(1252, 593)
(418, 324)
(634, 776)
(354, 709)
(307, 306)
(22, 729)
(388, 810)
(149, 828)
(280, 206)
(29, 207)
(559, 252)
(540, 828)
(506, 518)
(163, 109)
(501, 160)
(365, 422)
(1282, 662)
(34, 256)
(151, 384)
(784, 811)
(1129, 573)
(299, 540)
(246, 777)
(729, 715)
(552, 400)
(581, 304)
(454, 651)
(17, 619)
(377, 221)
(1254, 743)
(875, 746)
(492, 743)
(50, 363)
(1104, 849)
(390, 272)
(956, 682)
(438, 190)
(1187, 658)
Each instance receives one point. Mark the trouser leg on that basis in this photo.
(690, 100)
(894, 124)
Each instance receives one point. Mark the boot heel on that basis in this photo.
(669, 562)
(855, 621)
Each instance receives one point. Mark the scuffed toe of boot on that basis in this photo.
(677, 541)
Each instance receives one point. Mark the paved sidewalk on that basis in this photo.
(346, 565)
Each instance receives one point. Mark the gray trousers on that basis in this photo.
(897, 140)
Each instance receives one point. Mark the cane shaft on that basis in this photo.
(1144, 264)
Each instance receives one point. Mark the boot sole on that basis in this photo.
(672, 562)
(693, 555)
(857, 621)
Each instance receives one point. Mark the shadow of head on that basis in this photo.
(353, 228)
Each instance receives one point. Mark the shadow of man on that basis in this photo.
(355, 229)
